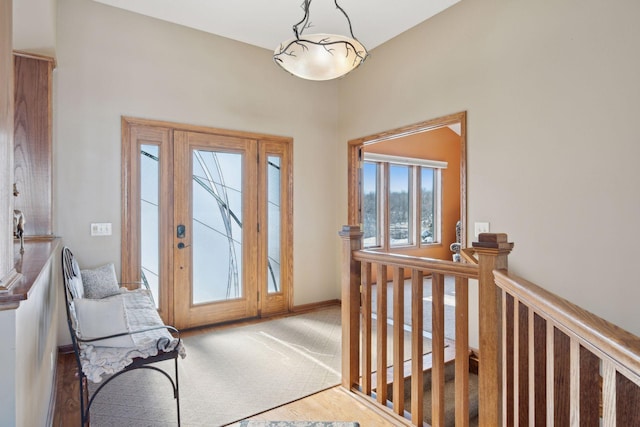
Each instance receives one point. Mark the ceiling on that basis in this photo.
(266, 23)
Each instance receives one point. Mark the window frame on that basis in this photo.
(415, 166)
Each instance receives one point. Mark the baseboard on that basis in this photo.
(54, 393)
(315, 306)
(65, 349)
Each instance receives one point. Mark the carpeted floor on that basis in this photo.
(231, 374)
(234, 373)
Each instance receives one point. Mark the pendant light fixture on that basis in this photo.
(319, 56)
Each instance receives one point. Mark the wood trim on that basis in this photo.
(282, 301)
(25, 54)
(7, 272)
(33, 158)
(353, 162)
(133, 137)
(205, 129)
(303, 308)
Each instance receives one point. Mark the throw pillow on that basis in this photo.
(103, 317)
(100, 282)
(75, 282)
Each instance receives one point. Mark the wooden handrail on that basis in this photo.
(561, 364)
(431, 265)
(357, 309)
(542, 359)
(601, 337)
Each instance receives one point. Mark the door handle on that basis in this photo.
(182, 245)
(181, 231)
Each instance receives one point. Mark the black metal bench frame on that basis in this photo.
(86, 399)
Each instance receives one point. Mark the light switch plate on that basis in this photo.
(101, 229)
(481, 227)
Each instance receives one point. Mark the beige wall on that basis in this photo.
(113, 63)
(550, 89)
(552, 95)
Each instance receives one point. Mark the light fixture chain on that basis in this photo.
(347, 17)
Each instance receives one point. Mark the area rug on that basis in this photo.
(297, 424)
(231, 374)
(234, 373)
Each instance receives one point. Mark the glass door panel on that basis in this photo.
(273, 221)
(217, 226)
(275, 206)
(213, 280)
(150, 219)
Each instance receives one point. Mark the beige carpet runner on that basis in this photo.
(232, 374)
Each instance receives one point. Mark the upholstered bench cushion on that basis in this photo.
(140, 314)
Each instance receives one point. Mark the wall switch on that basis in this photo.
(101, 229)
(481, 227)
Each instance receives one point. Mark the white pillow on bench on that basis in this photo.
(103, 317)
(100, 282)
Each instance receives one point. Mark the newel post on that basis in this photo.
(351, 241)
(493, 251)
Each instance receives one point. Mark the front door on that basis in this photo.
(213, 214)
(215, 249)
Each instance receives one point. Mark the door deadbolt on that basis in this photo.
(181, 231)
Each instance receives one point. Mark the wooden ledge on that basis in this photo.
(29, 265)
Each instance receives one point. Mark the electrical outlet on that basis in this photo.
(481, 227)
(101, 229)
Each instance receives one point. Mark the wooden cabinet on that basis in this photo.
(33, 141)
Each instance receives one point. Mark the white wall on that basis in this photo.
(113, 63)
(29, 350)
(552, 94)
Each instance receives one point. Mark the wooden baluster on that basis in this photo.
(523, 365)
(561, 396)
(381, 326)
(550, 373)
(462, 352)
(574, 382)
(608, 394)
(532, 369)
(507, 359)
(351, 241)
(437, 372)
(627, 398)
(417, 350)
(539, 385)
(589, 388)
(366, 328)
(398, 340)
(493, 251)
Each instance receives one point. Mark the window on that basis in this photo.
(371, 204)
(408, 192)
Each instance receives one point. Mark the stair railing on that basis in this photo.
(371, 382)
(563, 365)
(542, 359)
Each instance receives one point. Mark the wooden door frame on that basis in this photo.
(130, 240)
(353, 161)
